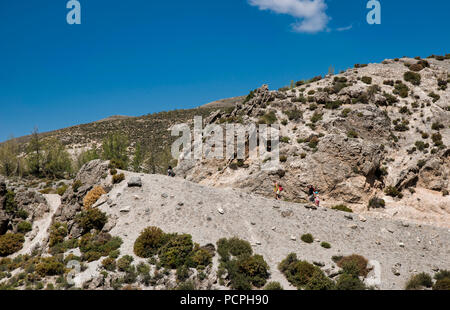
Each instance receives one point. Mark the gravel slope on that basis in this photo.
(176, 205)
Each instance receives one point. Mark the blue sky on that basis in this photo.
(140, 56)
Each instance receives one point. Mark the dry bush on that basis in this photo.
(93, 196)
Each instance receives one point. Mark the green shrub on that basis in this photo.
(58, 232)
(254, 268)
(268, 118)
(442, 285)
(352, 134)
(316, 117)
(348, 282)
(298, 273)
(124, 263)
(200, 258)
(10, 202)
(393, 192)
(333, 105)
(244, 269)
(442, 274)
(94, 246)
(273, 286)
(149, 242)
(325, 245)
(437, 126)
(401, 90)
(342, 208)
(437, 139)
(233, 246)
(117, 178)
(62, 189)
(294, 114)
(76, 185)
(49, 266)
(175, 252)
(320, 282)
(186, 286)
(366, 79)
(377, 203)
(354, 264)
(412, 77)
(10, 243)
(113, 171)
(92, 219)
(418, 281)
(435, 97)
(345, 112)
(109, 264)
(308, 238)
(24, 227)
(285, 139)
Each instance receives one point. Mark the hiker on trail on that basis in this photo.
(170, 172)
(311, 193)
(280, 189)
(316, 198)
(275, 189)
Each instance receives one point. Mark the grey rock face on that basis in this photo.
(135, 182)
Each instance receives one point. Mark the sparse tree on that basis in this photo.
(138, 158)
(34, 157)
(56, 160)
(331, 70)
(86, 156)
(115, 148)
(9, 161)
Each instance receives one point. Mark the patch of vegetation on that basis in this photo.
(273, 286)
(393, 192)
(50, 266)
(316, 117)
(92, 219)
(346, 112)
(109, 264)
(437, 139)
(366, 79)
(435, 96)
(349, 282)
(401, 89)
(343, 208)
(24, 227)
(419, 281)
(320, 282)
(308, 238)
(352, 134)
(92, 196)
(10, 243)
(294, 114)
(117, 178)
(244, 269)
(269, 118)
(412, 77)
(76, 185)
(354, 264)
(58, 231)
(302, 274)
(325, 245)
(94, 246)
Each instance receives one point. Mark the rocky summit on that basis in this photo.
(87, 210)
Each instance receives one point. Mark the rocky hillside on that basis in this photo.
(374, 138)
(100, 228)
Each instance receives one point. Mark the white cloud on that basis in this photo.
(311, 12)
(345, 28)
